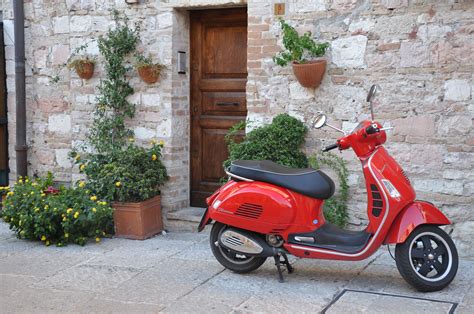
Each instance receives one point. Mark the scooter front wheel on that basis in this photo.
(428, 259)
(239, 263)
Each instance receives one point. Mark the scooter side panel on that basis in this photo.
(258, 207)
(415, 214)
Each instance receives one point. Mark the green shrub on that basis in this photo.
(130, 175)
(335, 208)
(36, 211)
(279, 141)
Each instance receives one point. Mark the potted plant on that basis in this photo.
(84, 66)
(301, 51)
(148, 70)
(130, 179)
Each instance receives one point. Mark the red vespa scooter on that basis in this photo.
(268, 210)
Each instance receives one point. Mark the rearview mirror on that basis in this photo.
(372, 93)
(319, 121)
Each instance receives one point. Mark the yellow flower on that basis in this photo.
(43, 195)
(103, 203)
(82, 184)
(32, 193)
(66, 235)
(118, 184)
(10, 193)
(82, 167)
(20, 181)
(43, 238)
(76, 215)
(64, 218)
(46, 206)
(69, 210)
(37, 209)
(34, 184)
(93, 198)
(97, 239)
(131, 140)
(153, 142)
(162, 143)
(26, 181)
(47, 243)
(154, 157)
(77, 157)
(94, 209)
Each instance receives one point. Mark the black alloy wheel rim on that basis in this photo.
(430, 257)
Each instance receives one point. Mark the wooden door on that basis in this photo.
(218, 79)
(3, 116)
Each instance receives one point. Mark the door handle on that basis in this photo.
(227, 104)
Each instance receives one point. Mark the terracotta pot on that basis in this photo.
(138, 221)
(149, 74)
(310, 74)
(84, 69)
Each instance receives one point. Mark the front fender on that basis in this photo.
(413, 215)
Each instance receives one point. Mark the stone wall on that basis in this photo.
(419, 52)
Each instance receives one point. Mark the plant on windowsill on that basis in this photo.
(148, 70)
(117, 169)
(301, 51)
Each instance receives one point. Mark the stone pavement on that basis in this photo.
(177, 273)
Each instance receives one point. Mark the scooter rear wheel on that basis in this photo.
(238, 263)
(428, 259)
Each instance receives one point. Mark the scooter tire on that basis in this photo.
(224, 257)
(406, 262)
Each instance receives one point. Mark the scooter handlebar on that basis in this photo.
(330, 147)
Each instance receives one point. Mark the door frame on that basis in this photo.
(193, 80)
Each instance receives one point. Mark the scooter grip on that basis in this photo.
(330, 147)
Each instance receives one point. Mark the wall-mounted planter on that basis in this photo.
(138, 221)
(84, 68)
(310, 74)
(150, 73)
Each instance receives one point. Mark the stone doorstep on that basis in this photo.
(186, 219)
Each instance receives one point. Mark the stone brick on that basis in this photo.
(415, 126)
(62, 158)
(349, 52)
(80, 23)
(342, 5)
(457, 90)
(414, 54)
(60, 54)
(59, 123)
(49, 105)
(143, 133)
(455, 126)
(394, 4)
(307, 6)
(40, 57)
(61, 25)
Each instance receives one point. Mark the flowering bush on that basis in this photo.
(36, 211)
(133, 174)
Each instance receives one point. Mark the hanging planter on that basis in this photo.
(301, 52)
(148, 71)
(83, 67)
(310, 74)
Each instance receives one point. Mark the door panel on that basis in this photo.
(218, 100)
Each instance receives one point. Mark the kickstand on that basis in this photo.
(279, 262)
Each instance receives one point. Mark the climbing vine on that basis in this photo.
(335, 208)
(109, 132)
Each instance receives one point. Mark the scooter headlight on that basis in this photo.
(391, 189)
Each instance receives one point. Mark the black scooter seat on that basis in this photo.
(307, 181)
